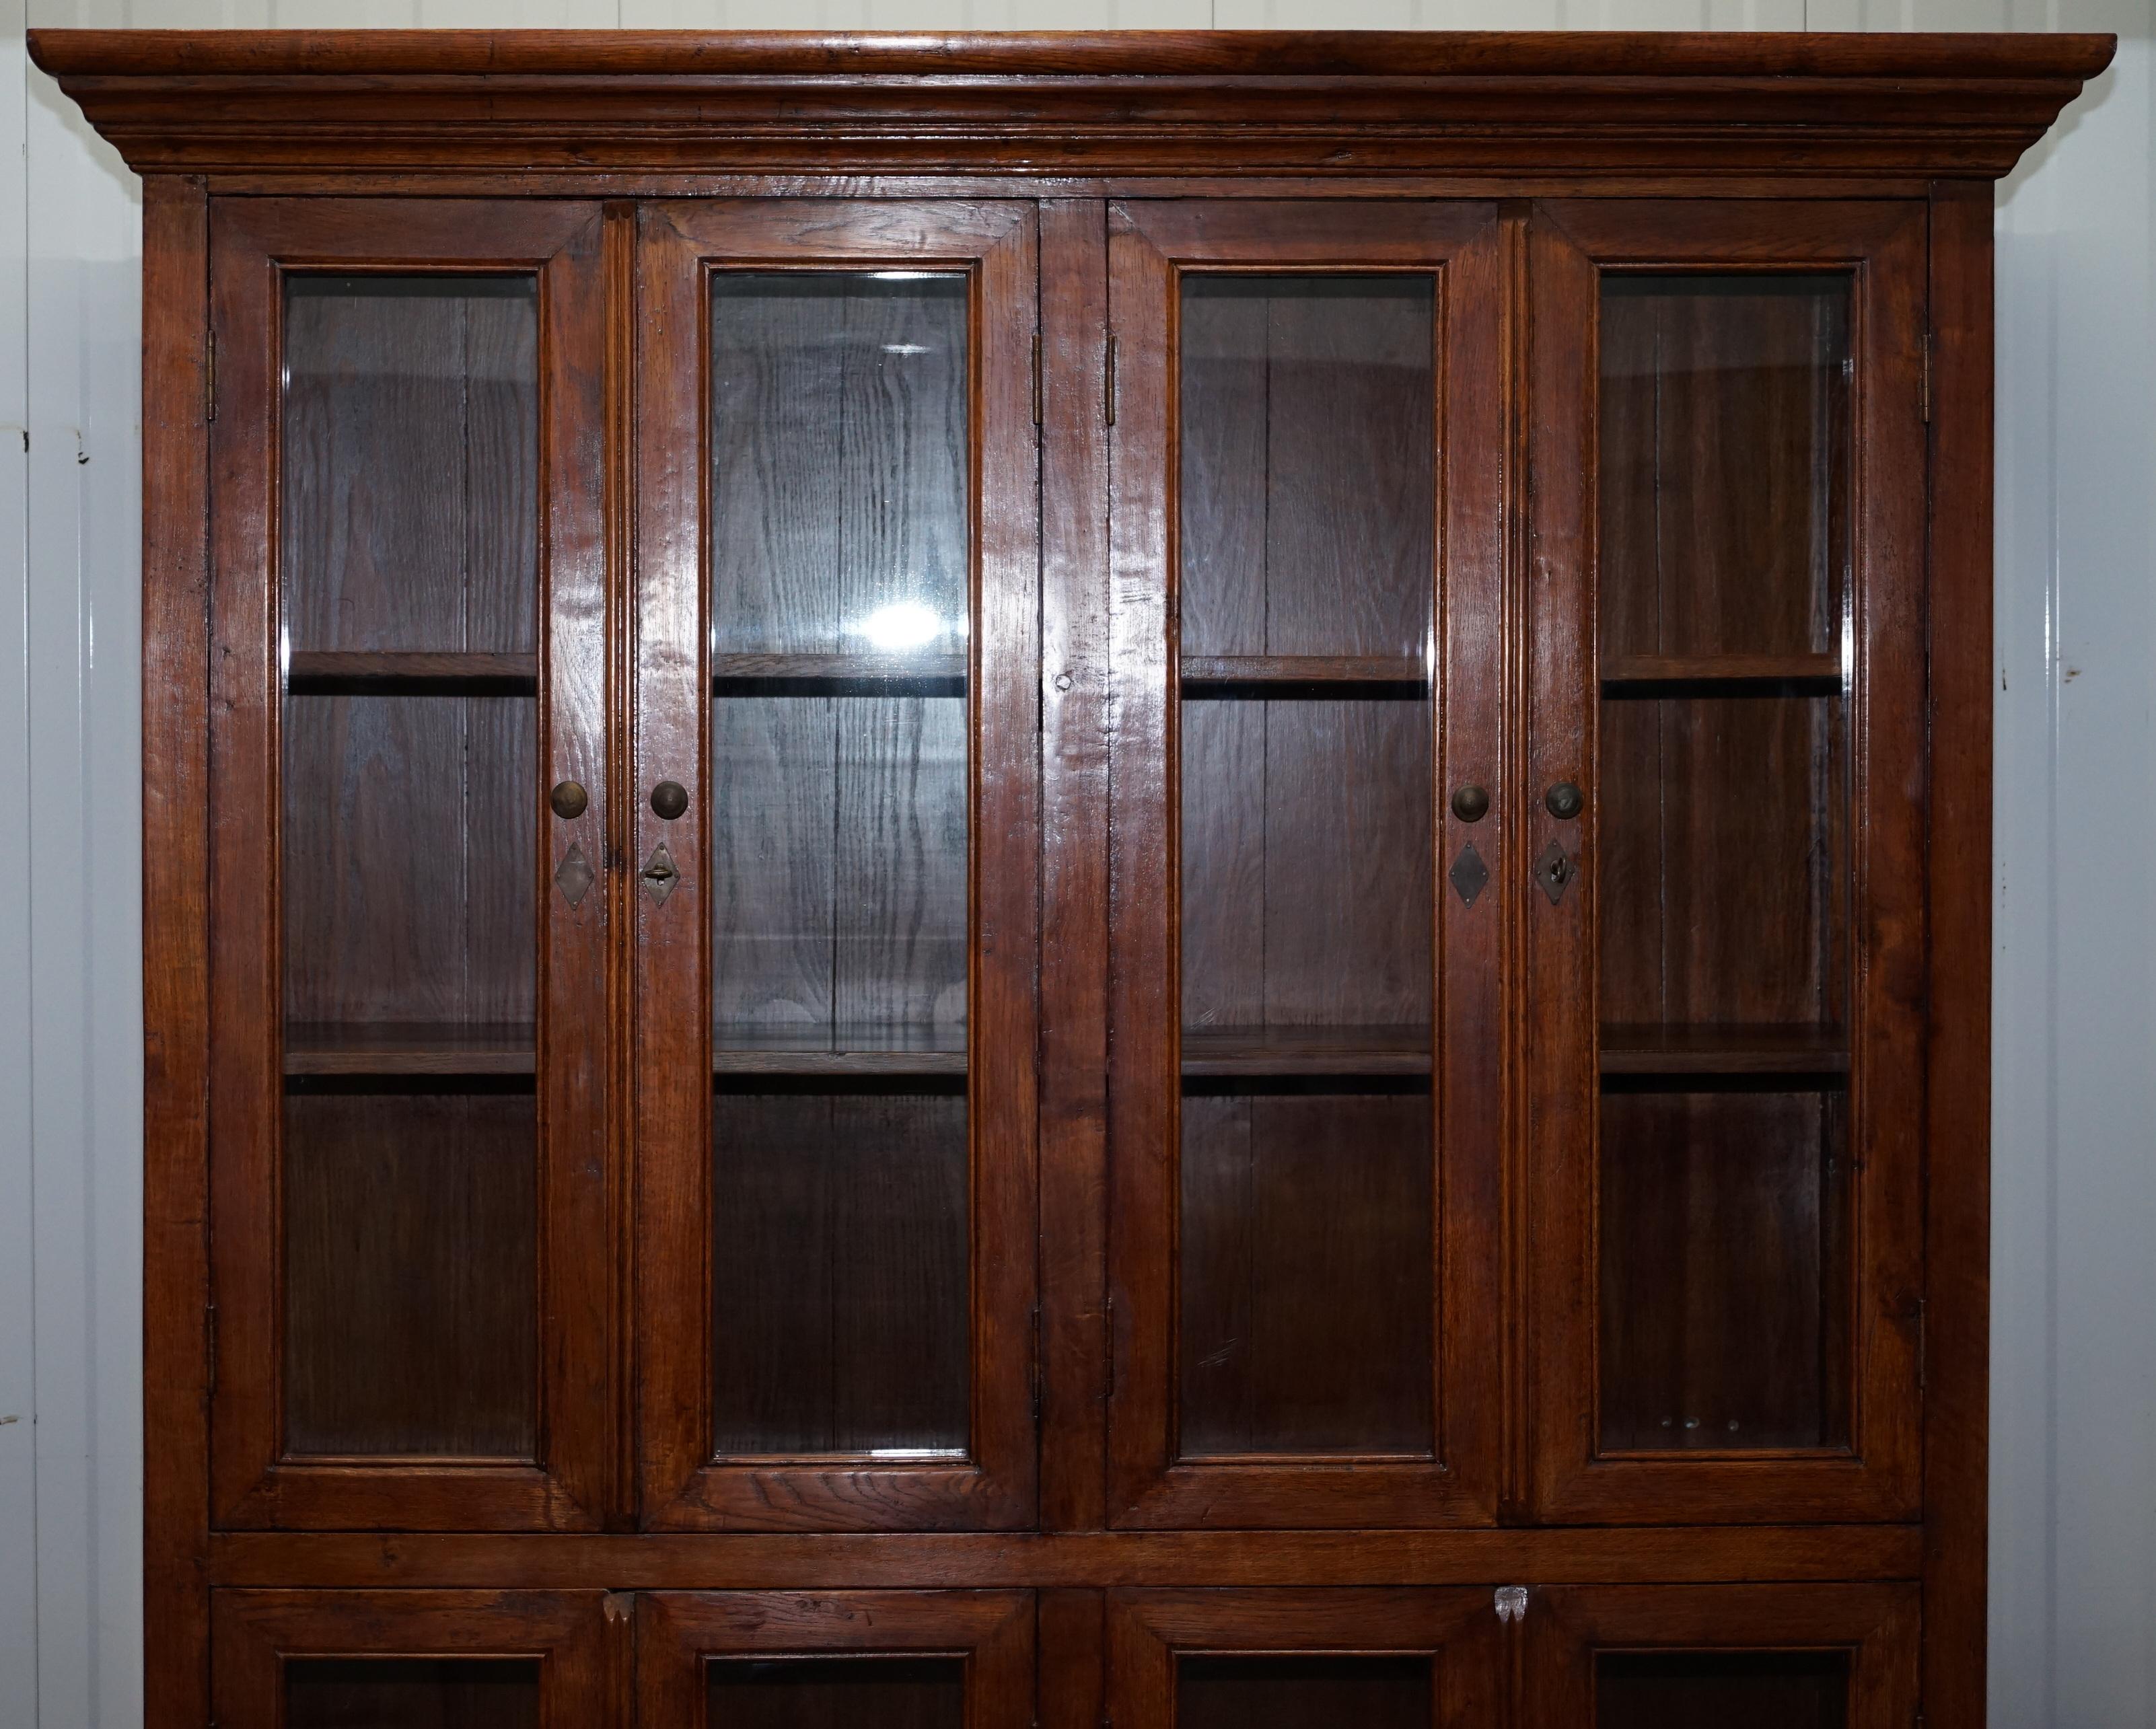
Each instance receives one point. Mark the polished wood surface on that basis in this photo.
(462, 1343)
(1698, 104)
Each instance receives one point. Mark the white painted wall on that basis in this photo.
(2074, 1388)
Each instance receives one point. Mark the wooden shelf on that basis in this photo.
(808, 1052)
(838, 674)
(1722, 674)
(410, 1048)
(1273, 676)
(1675, 1049)
(1214, 1052)
(343, 672)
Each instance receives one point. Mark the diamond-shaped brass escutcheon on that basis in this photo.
(1554, 872)
(1470, 874)
(573, 875)
(660, 874)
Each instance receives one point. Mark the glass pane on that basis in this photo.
(1305, 589)
(1715, 1689)
(411, 1693)
(409, 578)
(1303, 1693)
(1724, 830)
(840, 584)
(838, 1693)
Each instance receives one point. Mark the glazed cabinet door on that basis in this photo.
(1725, 945)
(1308, 835)
(836, 833)
(1295, 1660)
(443, 1660)
(779, 1660)
(411, 1231)
(1707, 1656)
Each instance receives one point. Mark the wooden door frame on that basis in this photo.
(1149, 1630)
(255, 1631)
(253, 242)
(1882, 245)
(682, 242)
(1566, 1625)
(1150, 245)
(991, 1631)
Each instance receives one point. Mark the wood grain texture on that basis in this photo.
(1957, 1056)
(1073, 1561)
(177, 1063)
(863, 842)
(342, 755)
(1307, 886)
(1754, 1654)
(915, 1660)
(429, 1659)
(1877, 1475)
(411, 1297)
(1235, 102)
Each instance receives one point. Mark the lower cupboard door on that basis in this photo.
(414, 1659)
(1304, 1659)
(1721, 1657)
(835, 1659)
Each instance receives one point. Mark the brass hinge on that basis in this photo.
(1108, 385)
(1036, 379)
(1927, 379)
(209, 379)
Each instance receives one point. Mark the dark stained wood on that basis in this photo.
(429, 1659)
(904, 1049)
(868, 918)
(411, 1301)
(838, 674)
(409, 1048)
(1402, 1048)
(1308, 883)
(177, 1067)
(1724, 1238)
(422, 1692)
(1234, 102)
(839, 1275)
(1957, 1144)
(1230, 675)
(914, 1659)
(1074, 1561)
(1690, 1047)
(1304, 1275)
(350, 672)
(1828, 1656)
(356, 858)
(1618, 670)
(1751, 970)
(1385, 1658)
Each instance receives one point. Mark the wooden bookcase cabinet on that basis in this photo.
(1055, 879)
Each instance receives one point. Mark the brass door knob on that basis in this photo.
(1564, 801)
(669, 799)
(1470, 803)
(569, 800)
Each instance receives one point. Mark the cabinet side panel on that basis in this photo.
(1958, 1151)
(175, 978)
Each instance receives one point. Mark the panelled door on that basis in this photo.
(1707, 1656)
(1309, 850)
(475, 1659)
(832, 1660)
(1725, 945)
(412, 1241)
(836, 844)
(1376, 1659)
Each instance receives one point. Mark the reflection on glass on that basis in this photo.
(1724, 836)
(839, 598)
(1304, 588)
(408, 562)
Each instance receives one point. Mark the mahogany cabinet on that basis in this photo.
(1033, 880)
